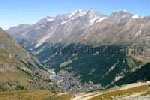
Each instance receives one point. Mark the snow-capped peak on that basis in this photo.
(94, 17)
(78, 13)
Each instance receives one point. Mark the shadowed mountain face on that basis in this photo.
(141, 74)
(89, 29)
(19, 70)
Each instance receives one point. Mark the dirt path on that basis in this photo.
(87, 96)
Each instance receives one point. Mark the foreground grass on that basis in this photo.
(121, 93)
(32, 95)
(60, 97)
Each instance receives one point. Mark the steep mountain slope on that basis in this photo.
(19, 69)
(62, 28)
(141, 74)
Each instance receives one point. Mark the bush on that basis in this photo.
(19, 87)
(2, 89)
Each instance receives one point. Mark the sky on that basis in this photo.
(15, 12)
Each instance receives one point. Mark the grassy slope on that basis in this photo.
(122, 93)
(18, 67)
(33, 95)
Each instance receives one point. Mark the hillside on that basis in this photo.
(19, 70)
(33, 95)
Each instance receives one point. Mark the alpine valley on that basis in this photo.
(102, 56)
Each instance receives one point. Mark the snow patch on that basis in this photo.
(50, 19)
(41, 41)
(124, 16)
(135, 16)
(93, 20)
(77, 13)
(100, 19)
(96, 19)
(64, 22)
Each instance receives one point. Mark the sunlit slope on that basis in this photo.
(18, 68)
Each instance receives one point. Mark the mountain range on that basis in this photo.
(123, 31)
